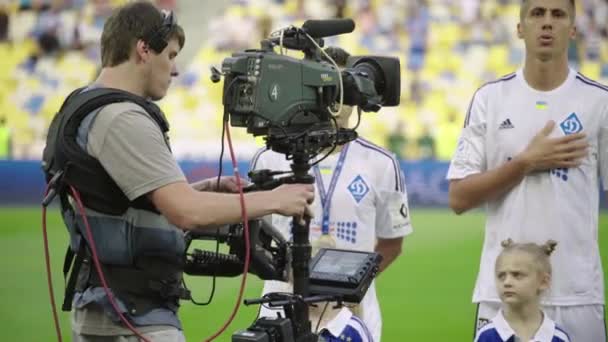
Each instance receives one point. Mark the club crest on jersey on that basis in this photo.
(358, 188)
(571, 125)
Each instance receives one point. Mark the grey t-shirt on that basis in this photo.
(132, 149)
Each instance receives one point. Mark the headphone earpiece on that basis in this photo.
(157, 39)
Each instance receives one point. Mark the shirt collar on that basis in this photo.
(546, 331)
(337, 325)
(544, 334)
(502, 327)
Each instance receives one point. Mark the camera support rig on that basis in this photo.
(301, 249)
(291, 103)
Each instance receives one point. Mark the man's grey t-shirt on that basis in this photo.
(132, 149)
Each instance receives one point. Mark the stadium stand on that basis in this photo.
(447, 49)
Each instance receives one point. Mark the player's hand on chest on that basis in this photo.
(511, 129)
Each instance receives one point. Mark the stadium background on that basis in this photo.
(447, 49)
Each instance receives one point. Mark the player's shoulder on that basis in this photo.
(488, 333)
(560, 335)
(372, 152)
(497, 84)
(346, 327)
(590, 86)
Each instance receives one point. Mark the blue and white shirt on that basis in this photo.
(498, 330)
(346, 327)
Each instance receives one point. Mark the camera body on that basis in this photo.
(266, 329)
(275, 94)
(285, 99)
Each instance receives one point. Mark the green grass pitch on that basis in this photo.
(425, 295)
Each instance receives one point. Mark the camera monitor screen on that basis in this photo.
(340, 262)
(343, 273)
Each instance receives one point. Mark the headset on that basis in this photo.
(157, 38)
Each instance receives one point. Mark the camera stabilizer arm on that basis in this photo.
(269, 252)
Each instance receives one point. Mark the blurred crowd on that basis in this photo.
(447, 50)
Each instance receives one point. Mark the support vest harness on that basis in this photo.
(145, 272)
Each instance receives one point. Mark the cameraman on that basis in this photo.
(142, 248)
(364, 203)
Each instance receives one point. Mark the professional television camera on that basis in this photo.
(290, 100)
(292, 103)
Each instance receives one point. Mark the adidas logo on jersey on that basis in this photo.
(506, 124)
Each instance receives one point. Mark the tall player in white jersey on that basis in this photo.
(534, 150)
(360, 204)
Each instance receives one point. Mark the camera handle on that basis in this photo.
(301, 253)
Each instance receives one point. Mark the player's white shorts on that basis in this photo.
(583, 323)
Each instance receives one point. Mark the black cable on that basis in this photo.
(358, 118)
(321, 317)
(257, 316)
(333, 148)
(221, 161)
(217, 252)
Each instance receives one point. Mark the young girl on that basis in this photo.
(522, 274)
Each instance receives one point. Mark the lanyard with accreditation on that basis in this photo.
(326, 196)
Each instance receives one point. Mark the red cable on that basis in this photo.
(98, 267)
(247, 246)
(49, 277)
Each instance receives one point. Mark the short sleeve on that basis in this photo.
(132, 149)
(392, 209)
(470, 155)
(603, 149)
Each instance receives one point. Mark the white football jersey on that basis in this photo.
(369, 202)
(561, 204)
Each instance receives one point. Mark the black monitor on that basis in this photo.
(343, 273)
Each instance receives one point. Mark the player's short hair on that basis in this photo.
(129, 23)
(540, 253)
(523, 8)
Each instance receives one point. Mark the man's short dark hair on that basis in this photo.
(127, 25)
(339, 55)
(522, 9)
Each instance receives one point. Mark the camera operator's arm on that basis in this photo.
(227, 184)
(191, 209)
(132, 149)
